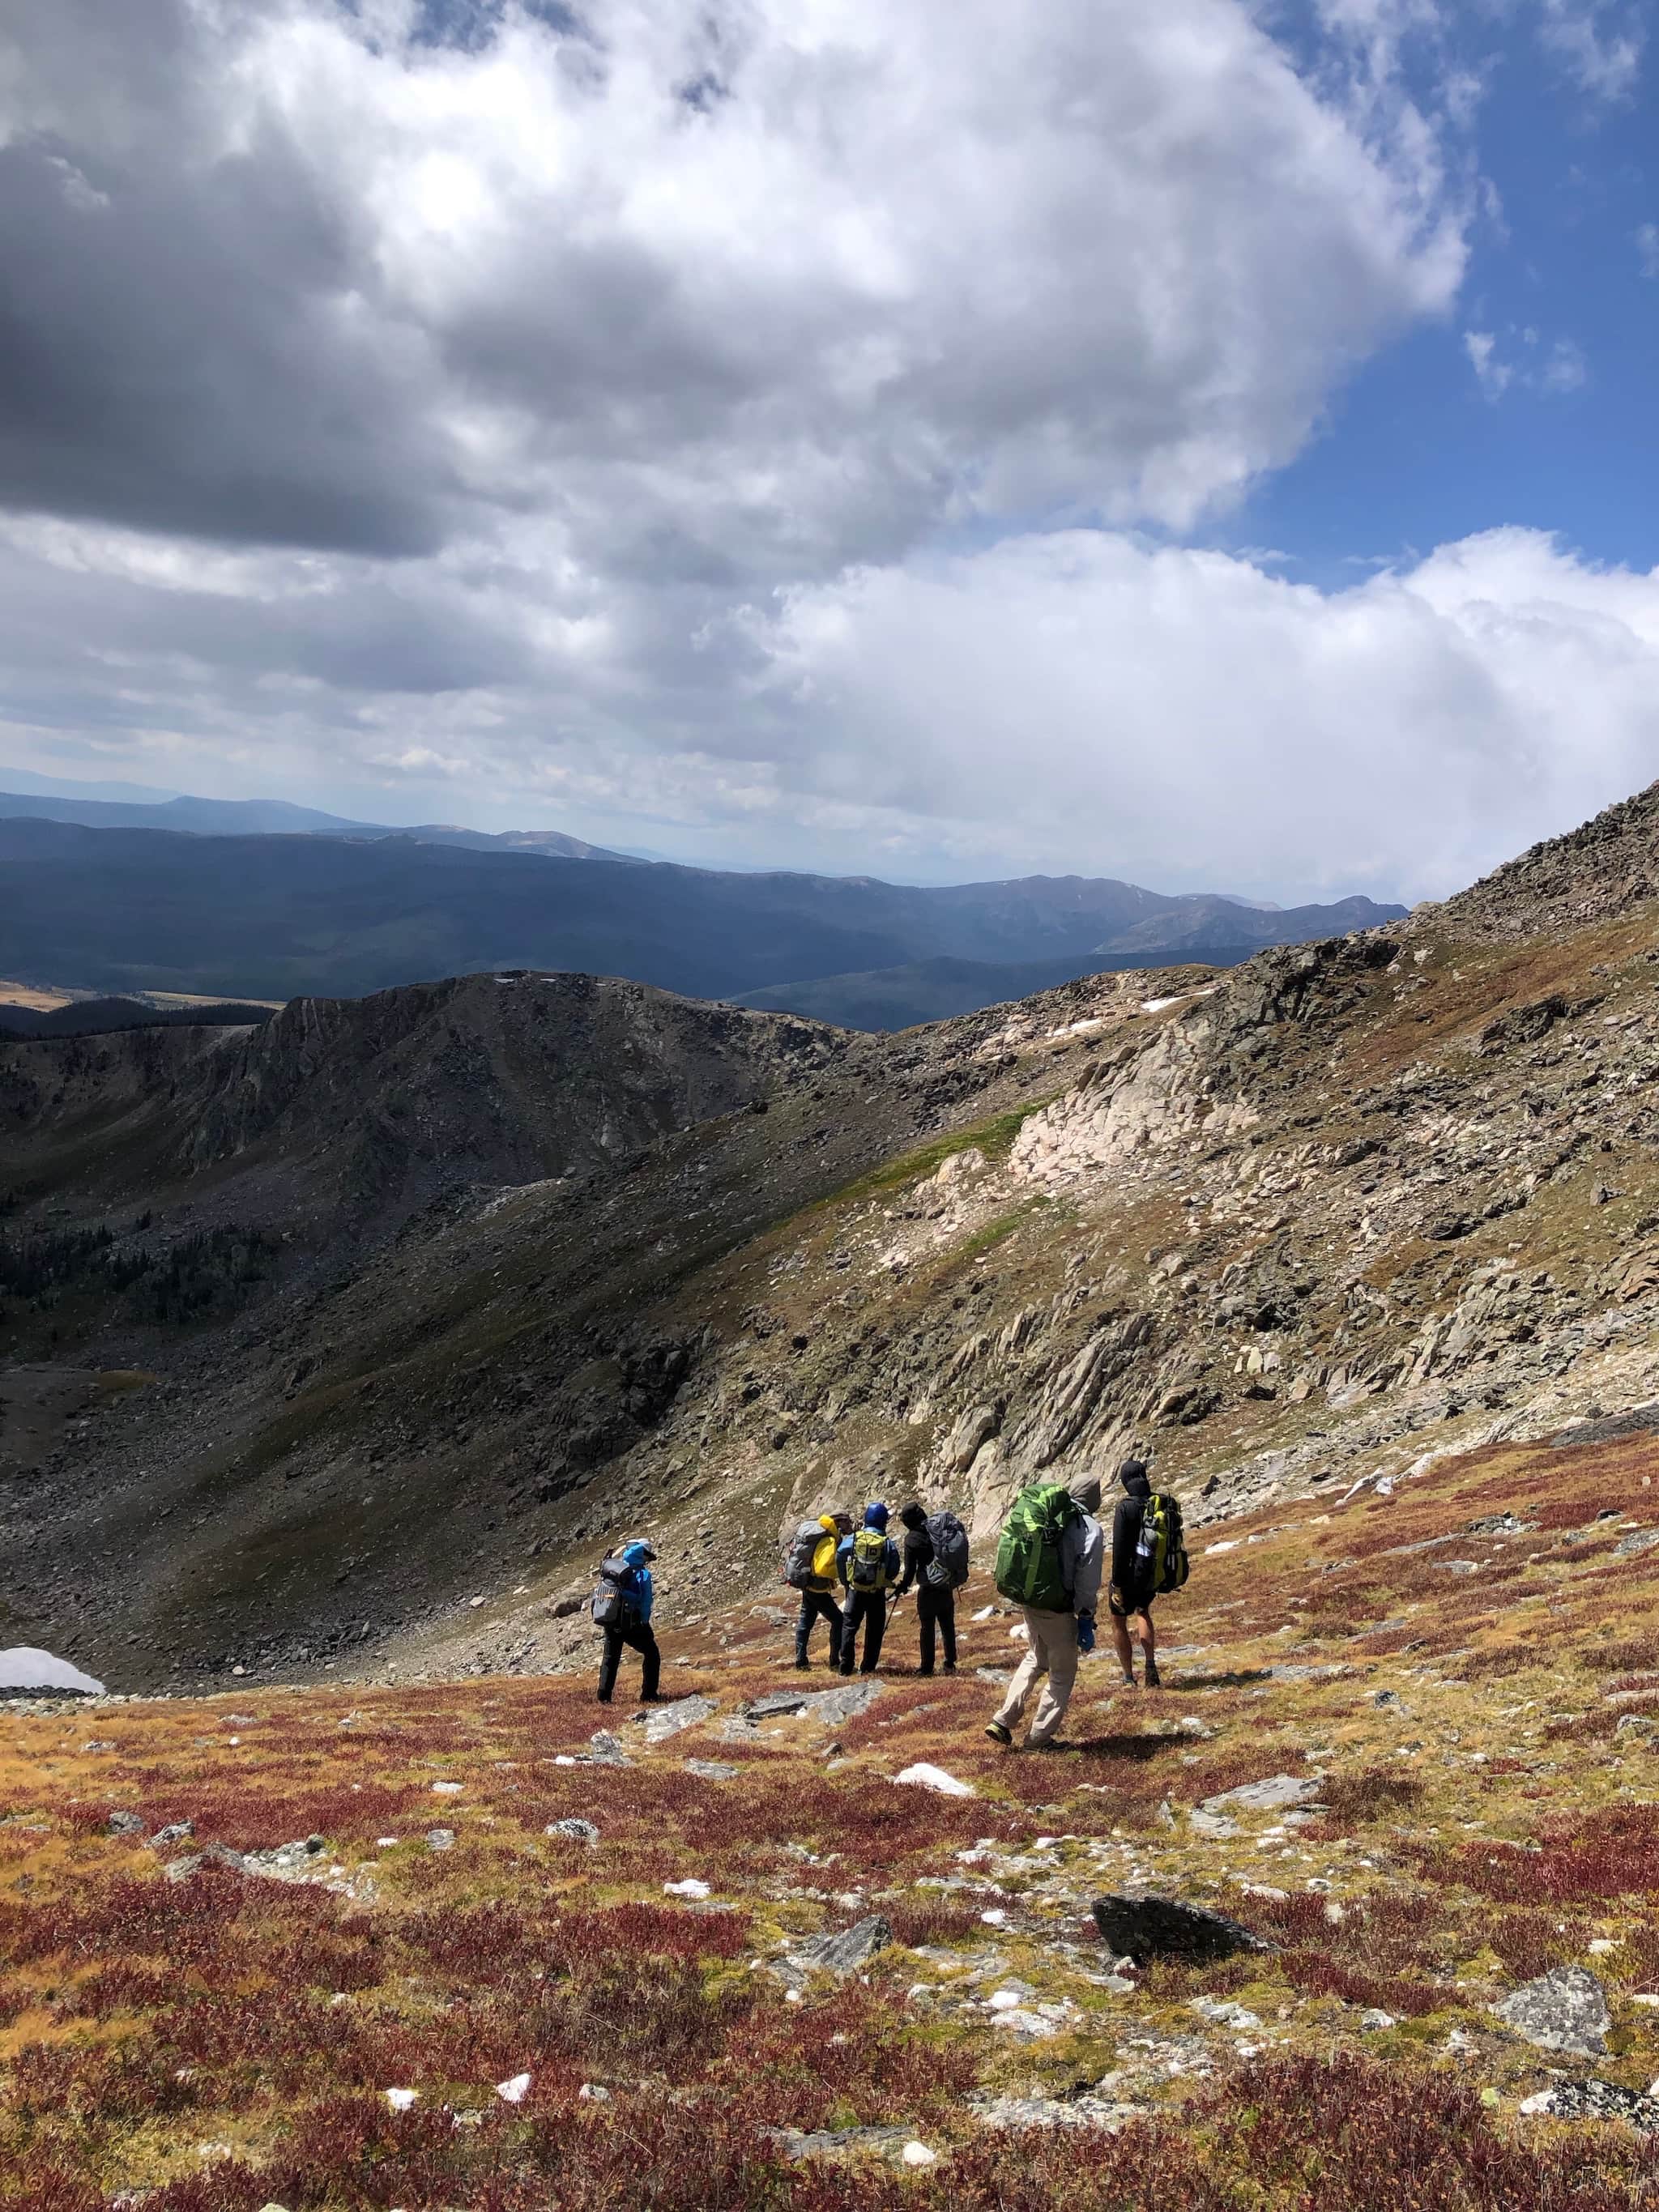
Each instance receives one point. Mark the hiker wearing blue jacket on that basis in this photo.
(868, 1566)
(630, 1575)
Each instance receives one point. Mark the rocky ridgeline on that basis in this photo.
(618, 1259)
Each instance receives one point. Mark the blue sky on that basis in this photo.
(1563, 253)
(959, 441)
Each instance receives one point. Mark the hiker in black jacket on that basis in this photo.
(1131, 1594)
(936, 1602)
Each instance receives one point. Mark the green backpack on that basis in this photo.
(1162, 1550)
(1028, 1555)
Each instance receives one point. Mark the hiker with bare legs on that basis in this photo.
(868, 1564)
(1149, 1554)
(1049, 1561)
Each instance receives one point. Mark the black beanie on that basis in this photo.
(1133, 1475)
(914, 1516)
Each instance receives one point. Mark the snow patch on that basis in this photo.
(24, 1668)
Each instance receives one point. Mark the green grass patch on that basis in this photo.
(994, 1137)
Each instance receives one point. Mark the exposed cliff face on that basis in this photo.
(1300, 1225)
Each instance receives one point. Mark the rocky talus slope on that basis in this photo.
(1356, 1912)
(528, 1262)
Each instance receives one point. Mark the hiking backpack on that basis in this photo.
(1028, 1555)
(609, 1604)
(948, 1568)
(1162, 1551)
(809, 1561)
(868, 1567)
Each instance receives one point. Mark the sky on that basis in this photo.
(1213, 443)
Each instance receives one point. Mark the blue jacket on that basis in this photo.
(844, 1560)
(636, 1585)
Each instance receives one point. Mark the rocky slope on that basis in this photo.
(536, 1269)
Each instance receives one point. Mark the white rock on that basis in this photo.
(1649, 1997)
(1599, 1946)
(1004, 2000)
(475, 1600)
(513, 2092)
(917, 2154)
(1540, 2102)
(996, 1918)
(441, 1789)
(935, 1778)
(689, 1887)
(1231, 1545)
(1019, 2021)
(985, 1613)
(385, 1843)
(594, 2092)
(401, 2099)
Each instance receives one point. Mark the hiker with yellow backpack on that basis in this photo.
(809, 1566)
(1149, 1554)
(868, 1564)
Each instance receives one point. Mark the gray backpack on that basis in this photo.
(948, 1568)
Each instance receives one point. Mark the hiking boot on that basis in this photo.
(998, 1733)
(1129, 1683)
(950, 1666)
(803, 1666)
(926, 1673)
(1154, 1679)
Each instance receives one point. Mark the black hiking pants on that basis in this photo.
(818, 1605)
(936, 1612)
(637, 1636)
(867, 1608)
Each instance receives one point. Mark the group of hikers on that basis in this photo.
(1052, 1559)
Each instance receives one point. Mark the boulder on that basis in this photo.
(1143, 1928)
(574, 1831)
(1273, 1796)
(1565, 2009)
(1595, 2101)
(845, 1950)
(669, 1720)
(831, 1707)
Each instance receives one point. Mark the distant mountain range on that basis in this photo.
(276, 818)
(255, 899)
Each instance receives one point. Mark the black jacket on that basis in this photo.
(918, 1552)
(1129, 1573)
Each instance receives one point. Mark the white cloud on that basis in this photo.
(1560, 368)
(1182, 715)
(1599, 43)
(1074, 700)
(762, 286)
(1491, 374)
(1647, 246)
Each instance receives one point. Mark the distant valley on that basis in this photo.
(298, 904)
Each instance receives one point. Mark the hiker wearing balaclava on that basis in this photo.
(1130, 1598)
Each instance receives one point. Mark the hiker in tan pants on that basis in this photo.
(1053, 1649)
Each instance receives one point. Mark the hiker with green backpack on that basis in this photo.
(868, 1564)
(1049, 1562)
(1149, 1555)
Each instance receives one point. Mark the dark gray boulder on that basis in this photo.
(1143, 1928)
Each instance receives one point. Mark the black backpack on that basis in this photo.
(610, 1604)
(948, 1568)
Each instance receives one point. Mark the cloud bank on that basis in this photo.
(745, 418)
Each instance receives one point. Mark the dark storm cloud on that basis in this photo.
(183, 345)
